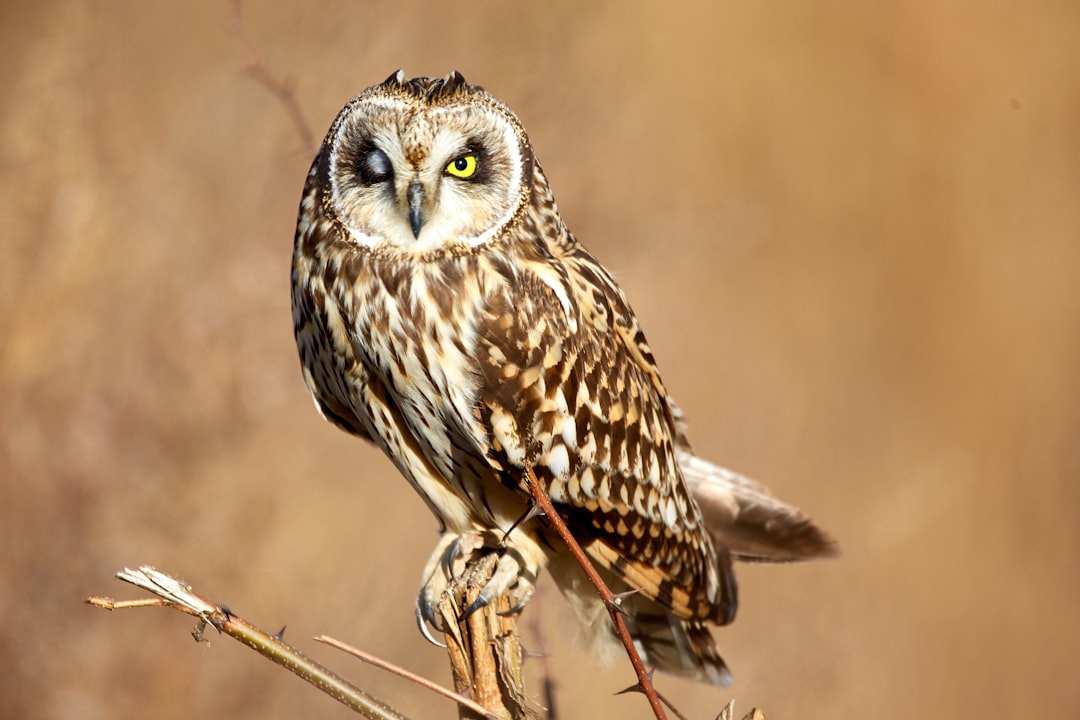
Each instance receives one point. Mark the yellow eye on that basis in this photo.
(464, 167)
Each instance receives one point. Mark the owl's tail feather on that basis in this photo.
(744, 517)
(664, 640)
(681, 647)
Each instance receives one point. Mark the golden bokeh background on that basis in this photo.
(852, 233)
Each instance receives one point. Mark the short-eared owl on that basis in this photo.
(444, 312)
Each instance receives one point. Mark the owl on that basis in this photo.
(444, 312)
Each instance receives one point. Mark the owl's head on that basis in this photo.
(425, 164)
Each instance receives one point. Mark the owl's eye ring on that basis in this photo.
(463, 167)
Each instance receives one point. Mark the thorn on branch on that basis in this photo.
(534, 511)
(615, 605)
(640, 688)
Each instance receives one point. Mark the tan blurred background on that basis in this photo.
(851, 230)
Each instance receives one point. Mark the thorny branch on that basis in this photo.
(644, 683)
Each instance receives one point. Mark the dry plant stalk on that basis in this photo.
(485, 648)
(178, 595)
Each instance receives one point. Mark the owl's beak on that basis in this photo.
(416, 201)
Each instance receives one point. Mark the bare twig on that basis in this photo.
(109, 604)
(408, 675)
(645, 684)
(548, 678)
(178, 595)
(283, 90)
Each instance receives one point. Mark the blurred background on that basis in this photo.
(852, 233)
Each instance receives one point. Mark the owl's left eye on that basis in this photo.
(464, 167)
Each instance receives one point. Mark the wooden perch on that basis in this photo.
(485, 648)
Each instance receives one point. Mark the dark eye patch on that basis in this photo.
(373, 166)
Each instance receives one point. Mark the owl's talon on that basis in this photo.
(425, 623)
(462, 548)
(436, 578)
(511, 576)
(477, 604)
(520, 606)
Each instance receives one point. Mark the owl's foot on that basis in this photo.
(448, 562)
(436, 580)
(510, 576)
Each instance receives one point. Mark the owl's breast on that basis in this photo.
(415, 331)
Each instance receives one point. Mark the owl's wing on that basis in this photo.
(571, 389)
(316, 333)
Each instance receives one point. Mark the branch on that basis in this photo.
(537, 627)
(484, 648)
(281, 89)
(180, 596)
(612, 602)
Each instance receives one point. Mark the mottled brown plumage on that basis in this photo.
(443, 311)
